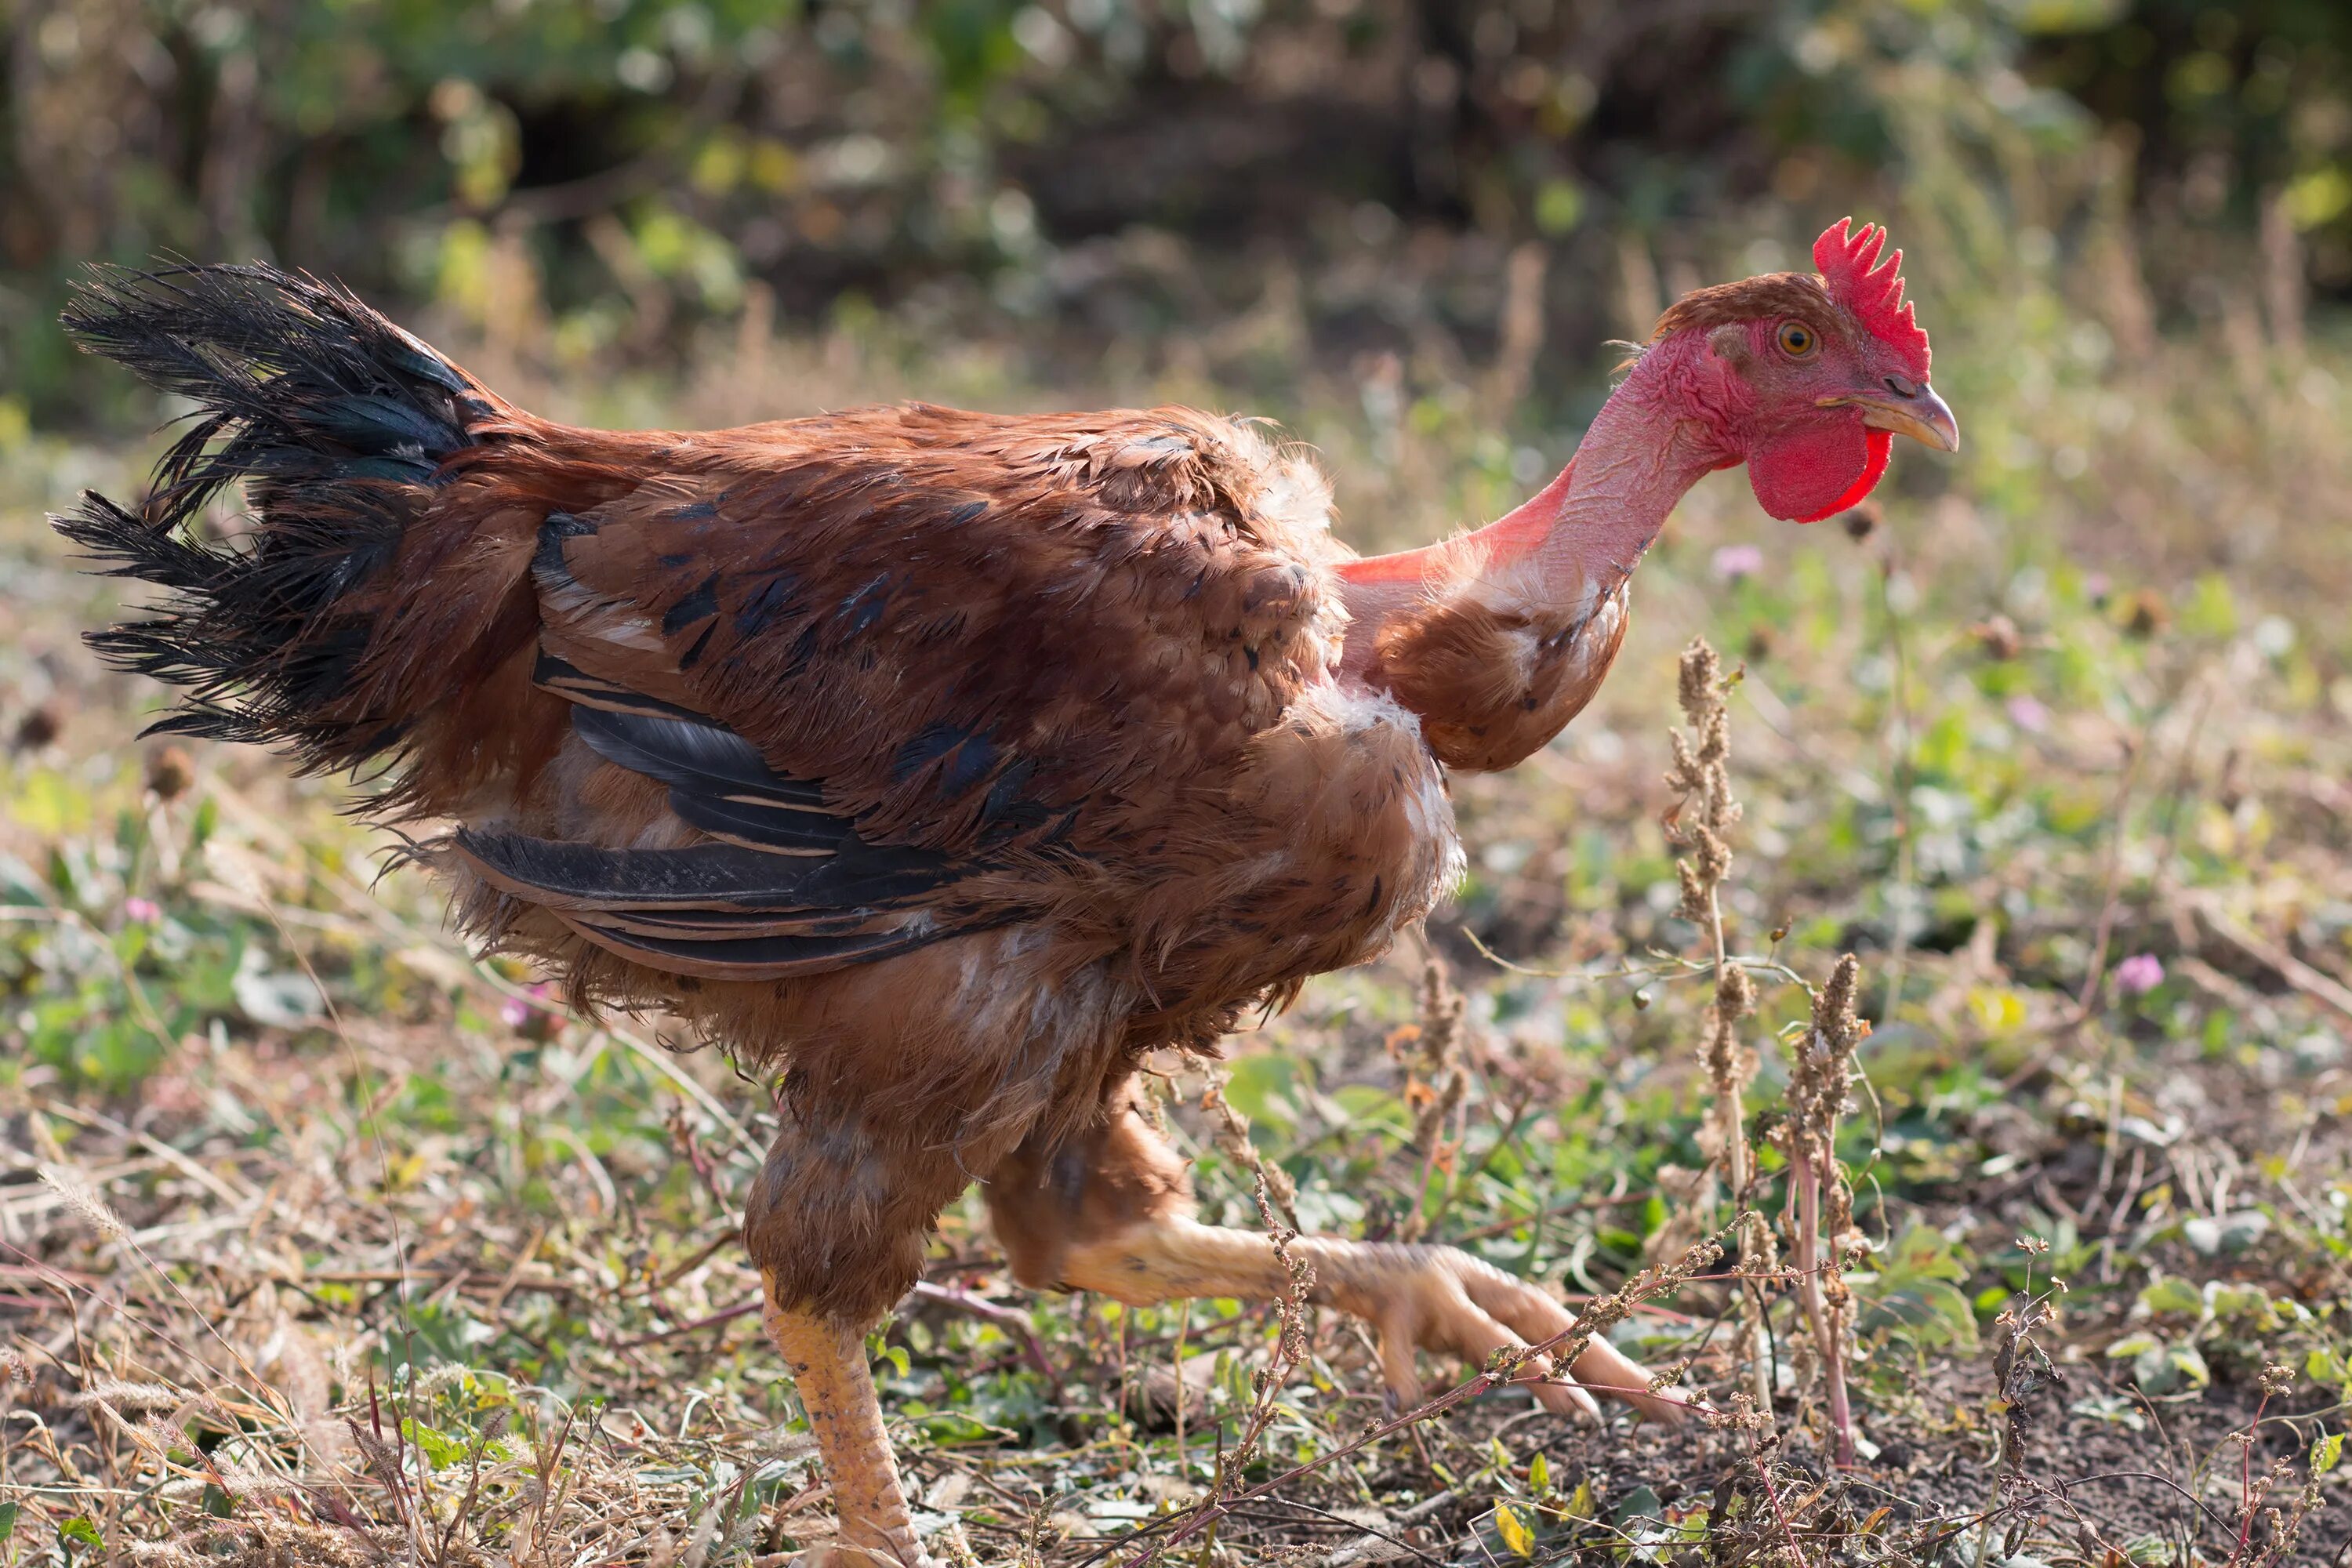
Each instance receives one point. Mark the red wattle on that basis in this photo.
(1817, 473)
(1881, 442)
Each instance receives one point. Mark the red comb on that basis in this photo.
(1870, 289)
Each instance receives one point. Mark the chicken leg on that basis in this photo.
(1415, 1298)
(828, 1362)
(1111, 1210)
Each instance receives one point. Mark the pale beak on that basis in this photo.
(1907, 408)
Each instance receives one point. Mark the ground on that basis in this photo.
(322, 1241)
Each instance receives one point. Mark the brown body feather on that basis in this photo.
(1496, 667)
(953, 760)
(1076, 674)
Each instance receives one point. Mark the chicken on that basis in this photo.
(949, 761)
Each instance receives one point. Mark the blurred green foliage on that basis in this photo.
(1071, 170)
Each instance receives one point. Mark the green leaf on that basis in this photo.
(80, 1528)
(440, 1449)
(2318, 196)
(2212, 610)
(2227, 1302)
(1369, 1108)
(1539, 1474)
(1267, 1087)
(2171, 1295)
(7, 1519)
(1928, 1313)
(1514, 1531)
(1921, 1252)
(2325, 1453)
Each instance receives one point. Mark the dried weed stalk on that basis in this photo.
(1434, 1085)
(1825, 1240)
(1232, 1134)
(1701, 777)
(1819, 1202)
(2023, 1374)
(2282, 1523)
(1291, 1346)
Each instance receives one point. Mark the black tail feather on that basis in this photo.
(337, 423)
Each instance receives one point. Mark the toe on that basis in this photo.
(1531, 1314)
(1564, 1398)
(1476, 1336)
(1398, 1341)
(1600, 1366)
(1605, 1367)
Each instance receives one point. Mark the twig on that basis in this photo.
(1010, 1319)
(2322, 989)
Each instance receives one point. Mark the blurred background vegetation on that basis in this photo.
(577, 180)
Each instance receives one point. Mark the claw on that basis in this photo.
(1400, 1376)
(1605, 1367)
(1449, 1302)
(1563, 1398)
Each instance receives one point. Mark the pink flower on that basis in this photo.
(2139, 974)
(521, 1014)
(1734, 562)
(2028, 714)
(145, 912)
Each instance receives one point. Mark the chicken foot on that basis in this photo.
(1415, 1298)
(828, 1362)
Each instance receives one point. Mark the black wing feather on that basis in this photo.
(792, 890)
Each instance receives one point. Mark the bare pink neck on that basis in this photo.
(1589, 527)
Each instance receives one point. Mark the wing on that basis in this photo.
(783, 884)
(891, 674)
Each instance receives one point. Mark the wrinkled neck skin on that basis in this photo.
(1577, 539)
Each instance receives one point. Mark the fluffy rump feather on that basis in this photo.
(338, 423)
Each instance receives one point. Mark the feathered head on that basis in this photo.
(1806, 378)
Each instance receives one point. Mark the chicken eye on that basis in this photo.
(1797, 340)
